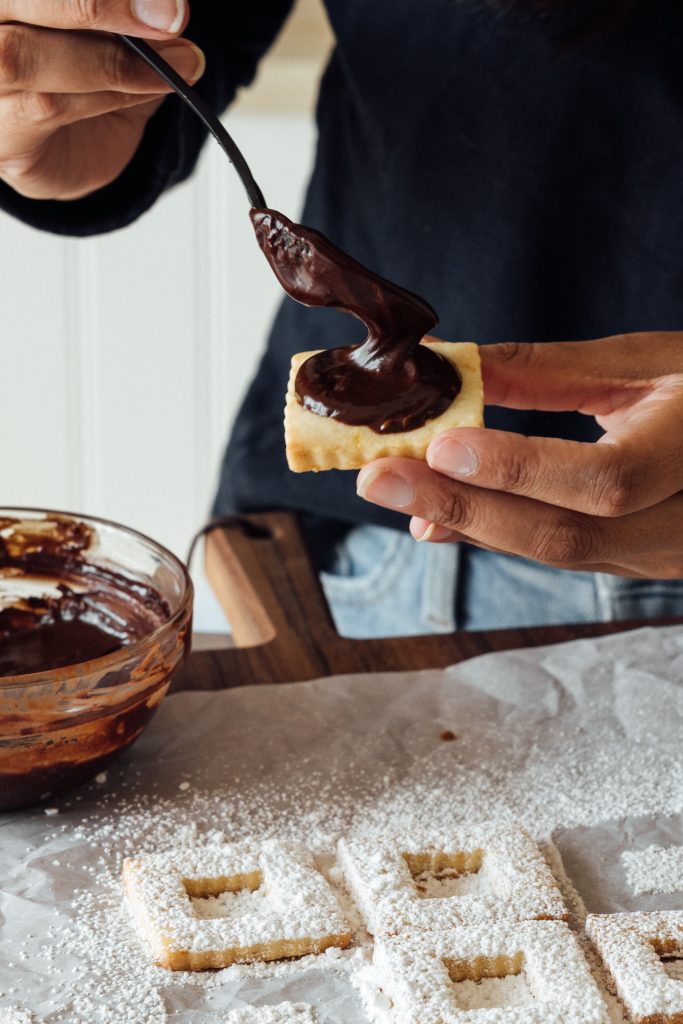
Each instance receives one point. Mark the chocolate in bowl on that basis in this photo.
(94, 620)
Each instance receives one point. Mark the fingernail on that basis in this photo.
(430, 531)
(427, 532)
(164, 15)
(453, 457)
(187, 59)
(385, 488)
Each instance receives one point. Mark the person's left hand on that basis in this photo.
(615, 506)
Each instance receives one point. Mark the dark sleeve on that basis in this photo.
(234, 37)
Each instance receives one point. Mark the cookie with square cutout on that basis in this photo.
(233, 904)
(497, 873)
(631, 946)
(432, 977)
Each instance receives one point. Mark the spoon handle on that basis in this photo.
(203, 112)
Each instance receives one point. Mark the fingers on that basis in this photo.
(146, 18)
(42, 60)
(610, 478)
(33, 114)
(648, 543)
(594, 377)
(514, 524)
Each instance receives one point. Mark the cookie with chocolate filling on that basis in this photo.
(318, 442)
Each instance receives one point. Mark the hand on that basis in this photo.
(614, 506)
(74, 102)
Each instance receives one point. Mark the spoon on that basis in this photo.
(203, 112)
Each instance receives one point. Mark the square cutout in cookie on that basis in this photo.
(673, 967)
(233, 904)
(532, 972)
(635, 949)
(487, 874)
(440, 875)
(489, 985)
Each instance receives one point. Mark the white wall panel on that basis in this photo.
(123, 359)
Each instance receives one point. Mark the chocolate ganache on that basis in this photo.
(390, 383)
(92, 611)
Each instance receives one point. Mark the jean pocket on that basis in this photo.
(382, 583)
(622, 598)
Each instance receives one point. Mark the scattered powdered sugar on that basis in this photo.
(568, 736)
(281, 1013)
(14, 1016)
(656, 869)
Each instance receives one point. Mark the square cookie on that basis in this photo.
(319, 442)
(631, 947)
(233, 904)
(450, 977)
(426, 881)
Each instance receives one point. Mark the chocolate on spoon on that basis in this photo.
(390, 383)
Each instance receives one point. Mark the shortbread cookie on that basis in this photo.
(233, 904)
(431, 977)
(497, 872)
(630, 946)
(316, 442)
(281, 1013)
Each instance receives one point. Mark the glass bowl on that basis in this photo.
(62, 726)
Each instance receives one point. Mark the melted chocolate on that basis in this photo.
(390, 382)
(94, 611)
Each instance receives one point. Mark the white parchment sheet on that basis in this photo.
(582, 743)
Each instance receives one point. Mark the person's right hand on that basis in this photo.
(74, 101)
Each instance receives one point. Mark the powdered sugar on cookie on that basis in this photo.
(432, 978)
(251, 902)
(431, 879)
(631, 947)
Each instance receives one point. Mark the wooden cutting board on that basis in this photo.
(261, 573)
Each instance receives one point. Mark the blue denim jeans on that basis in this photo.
(380, 582)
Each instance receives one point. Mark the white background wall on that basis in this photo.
(123, 358)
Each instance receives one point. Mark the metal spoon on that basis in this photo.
(203, 112)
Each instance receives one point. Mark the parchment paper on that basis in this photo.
(581, 742)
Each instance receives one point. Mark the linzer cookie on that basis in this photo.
(319, 442)
(633, 948)
(233, 904)
(527, 973)
(480, 874)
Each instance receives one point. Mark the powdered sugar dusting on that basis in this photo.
(562, 737)
(432, 977)
(656, 869)
(14, 1016)
(282, 1013)
(631, 947)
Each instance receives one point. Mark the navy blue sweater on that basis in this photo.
(529, 188)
